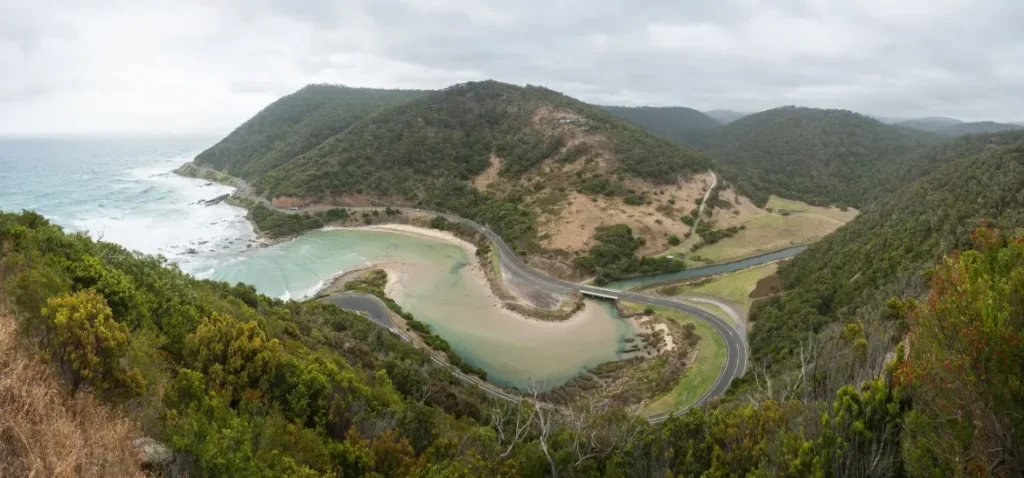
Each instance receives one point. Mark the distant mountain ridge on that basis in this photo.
(725, 116)
(812, 155)
(954, 127)
(684, 126)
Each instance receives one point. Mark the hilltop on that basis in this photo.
(544, 170)
(955, 127)
(684, 126)
(296, 124)
(817, 156)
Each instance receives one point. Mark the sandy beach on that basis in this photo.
(401, 272)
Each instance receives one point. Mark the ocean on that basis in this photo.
(123, 191)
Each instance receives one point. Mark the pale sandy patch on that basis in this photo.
(572, 227)
(743, 210)
(489, 176)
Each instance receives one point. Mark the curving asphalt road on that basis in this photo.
(736, 350)
(369, 304)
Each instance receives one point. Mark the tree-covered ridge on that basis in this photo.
(684, 126)
(980, 127)
(817, 156)
(926, 161)
(451, 134)
(885, 251)
(296, 124)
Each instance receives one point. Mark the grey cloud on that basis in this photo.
(905, 58)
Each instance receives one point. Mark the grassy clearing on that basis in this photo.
(704, 372)
(769, 232)
(736, 287)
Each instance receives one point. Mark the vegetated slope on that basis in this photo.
(725, 116)
(923, 162)
(817, 156)
(295, 124)
(953, 127)
(980, 127)
(934, 124)
(884, 251)
(516, 158)
(685, 126)
(247, 384)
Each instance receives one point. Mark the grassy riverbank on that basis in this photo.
(704, 369)
(701, 375)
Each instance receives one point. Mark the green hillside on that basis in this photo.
(684, 126)
(294, 125)
(935, 124)
(913, 166)
(812, 155)
(450, 134)
(980, 127)
(426, 151)
(884, 252)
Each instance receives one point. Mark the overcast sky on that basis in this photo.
(205, 66)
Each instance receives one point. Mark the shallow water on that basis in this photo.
(123, 191)
(440, 291)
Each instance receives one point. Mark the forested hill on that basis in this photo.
(685, 126)
(813, 155)
(296, 124)
(884, 252)
(451, 134)
(521, 159)
(926, 161)
(980, 127)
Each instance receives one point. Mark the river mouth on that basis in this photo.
(438, 286)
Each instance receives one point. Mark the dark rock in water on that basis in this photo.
(216, 200)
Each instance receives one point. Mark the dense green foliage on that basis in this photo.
(613, 257)
(951, 127)
(926, 161)
(423, 152)
(276, 224)
(399, 152)
(252, 386)
(684, 126)
(294, 125)
(885, 250)
(980, 127)
(812, 155)
(935, 124)
(966, 350)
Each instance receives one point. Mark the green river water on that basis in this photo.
(439, 290)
